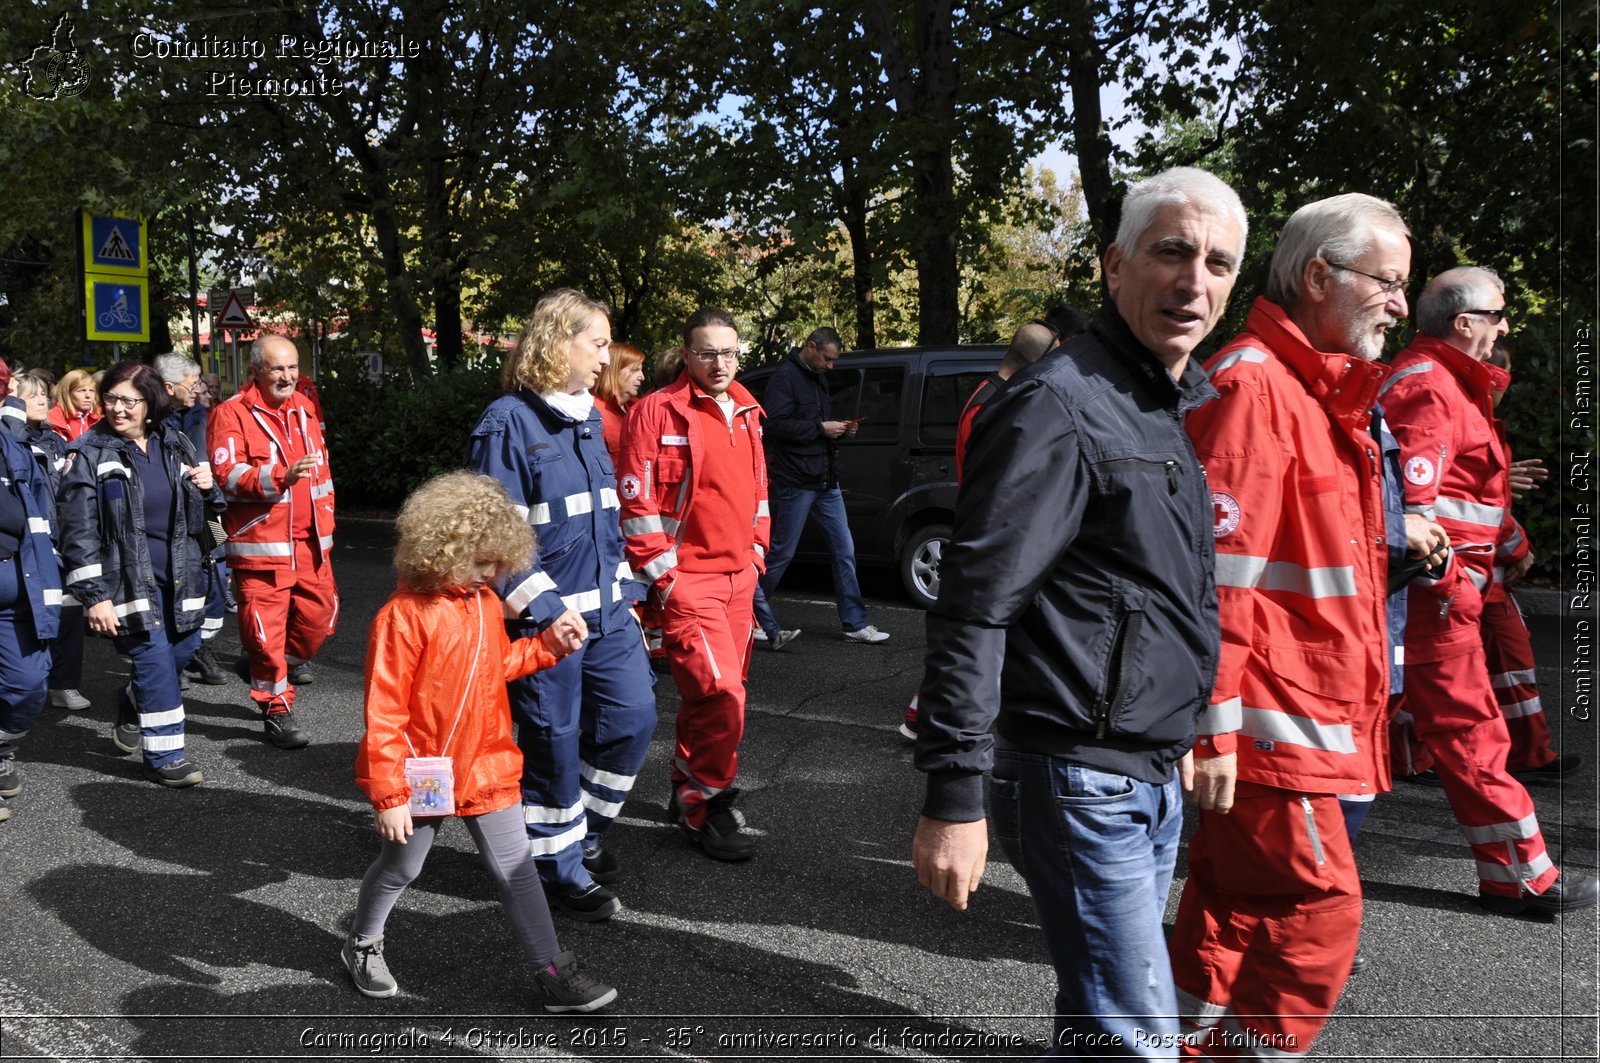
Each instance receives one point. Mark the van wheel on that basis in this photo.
(919, 563)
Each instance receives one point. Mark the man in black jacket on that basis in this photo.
(1078, 618)
(803, 469)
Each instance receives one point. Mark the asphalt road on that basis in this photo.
(205, 924)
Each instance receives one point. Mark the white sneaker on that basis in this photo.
(867, 634)
(68, 699)
(761, 636)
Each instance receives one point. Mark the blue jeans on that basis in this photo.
(1097, 851)
(790, 507)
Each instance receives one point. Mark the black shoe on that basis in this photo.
(205, 669)
(178, 774)
(589, 905)
(1358, 964)
(1569, 893)
(283, 732)
(1564, 764)
(241, 666)
(1424, 778)
(126, 734)
(565, 987)
(719, 836)
(600, 863)
(300, 674)
(10, 777)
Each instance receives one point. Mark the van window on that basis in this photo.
(873, 395)
(945, 391)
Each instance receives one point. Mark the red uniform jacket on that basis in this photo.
(1302, 562)
(252, 447)
(658, 477)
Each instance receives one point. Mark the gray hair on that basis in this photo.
(173, 367)
(258, 350)
(1177, 187)
(1450, 294)
(1337, 229)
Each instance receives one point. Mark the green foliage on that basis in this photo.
(386, 438)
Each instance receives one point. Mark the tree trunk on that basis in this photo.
(855, 224)
(1085, 63)
(447, 322)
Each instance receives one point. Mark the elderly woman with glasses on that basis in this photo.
(584, 725)
(133, 506)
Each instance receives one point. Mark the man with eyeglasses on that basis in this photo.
(1457, 471)
(693, 485)
(802, 443)
(1267, 928)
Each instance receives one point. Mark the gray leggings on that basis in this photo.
(503, 841)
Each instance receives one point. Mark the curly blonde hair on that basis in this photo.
(453, 522)
(539, 360)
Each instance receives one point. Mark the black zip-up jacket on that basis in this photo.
(796, 403)
(103, 547)
(1077, 611)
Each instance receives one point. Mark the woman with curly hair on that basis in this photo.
(584, 726)
(438, 662)
(133, 503)
(618, 386)
(77, 408)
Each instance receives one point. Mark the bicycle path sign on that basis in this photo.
(117, 308)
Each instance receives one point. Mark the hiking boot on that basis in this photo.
(868, 634)
(718, 835)
(71, 700)
(564, 987)
(601, 865)
(1569, 893)
(364, 960)
(178, 774)
(205, 669)
(300, 673)
(283, 731)
(591, 904)
(126, 733)
(10, 777)
(1564, 764)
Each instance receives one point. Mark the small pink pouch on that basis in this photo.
(433, 785)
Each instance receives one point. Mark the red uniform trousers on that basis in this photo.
(708, 627)
(1267, 926)
(1454, 712)
(1509, 651)
(285, 611)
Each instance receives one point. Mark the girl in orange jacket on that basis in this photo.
(438, 661)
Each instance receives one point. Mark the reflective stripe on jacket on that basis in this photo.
(559, 474)
(252, 447)
(39, 566)
(1302, 562)
(104, 552)
(662, 452)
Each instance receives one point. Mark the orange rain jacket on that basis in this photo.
(421, 669)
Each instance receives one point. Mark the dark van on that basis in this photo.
(899, 478)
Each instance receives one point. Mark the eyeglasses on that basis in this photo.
(1389, 287)
(716, 356)
(120, 402)
(1503, 314)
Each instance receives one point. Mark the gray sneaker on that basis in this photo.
(126, 734)
(785, 636)
(364, 961)
(10, 777)
(564, 987)
(868, 634)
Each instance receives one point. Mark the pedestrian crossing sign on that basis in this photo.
(117, 308)
(115, 245)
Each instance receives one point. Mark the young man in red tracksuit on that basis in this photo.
(693, 484)
(1271, 913)
(268, 454)
(1456, 470)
